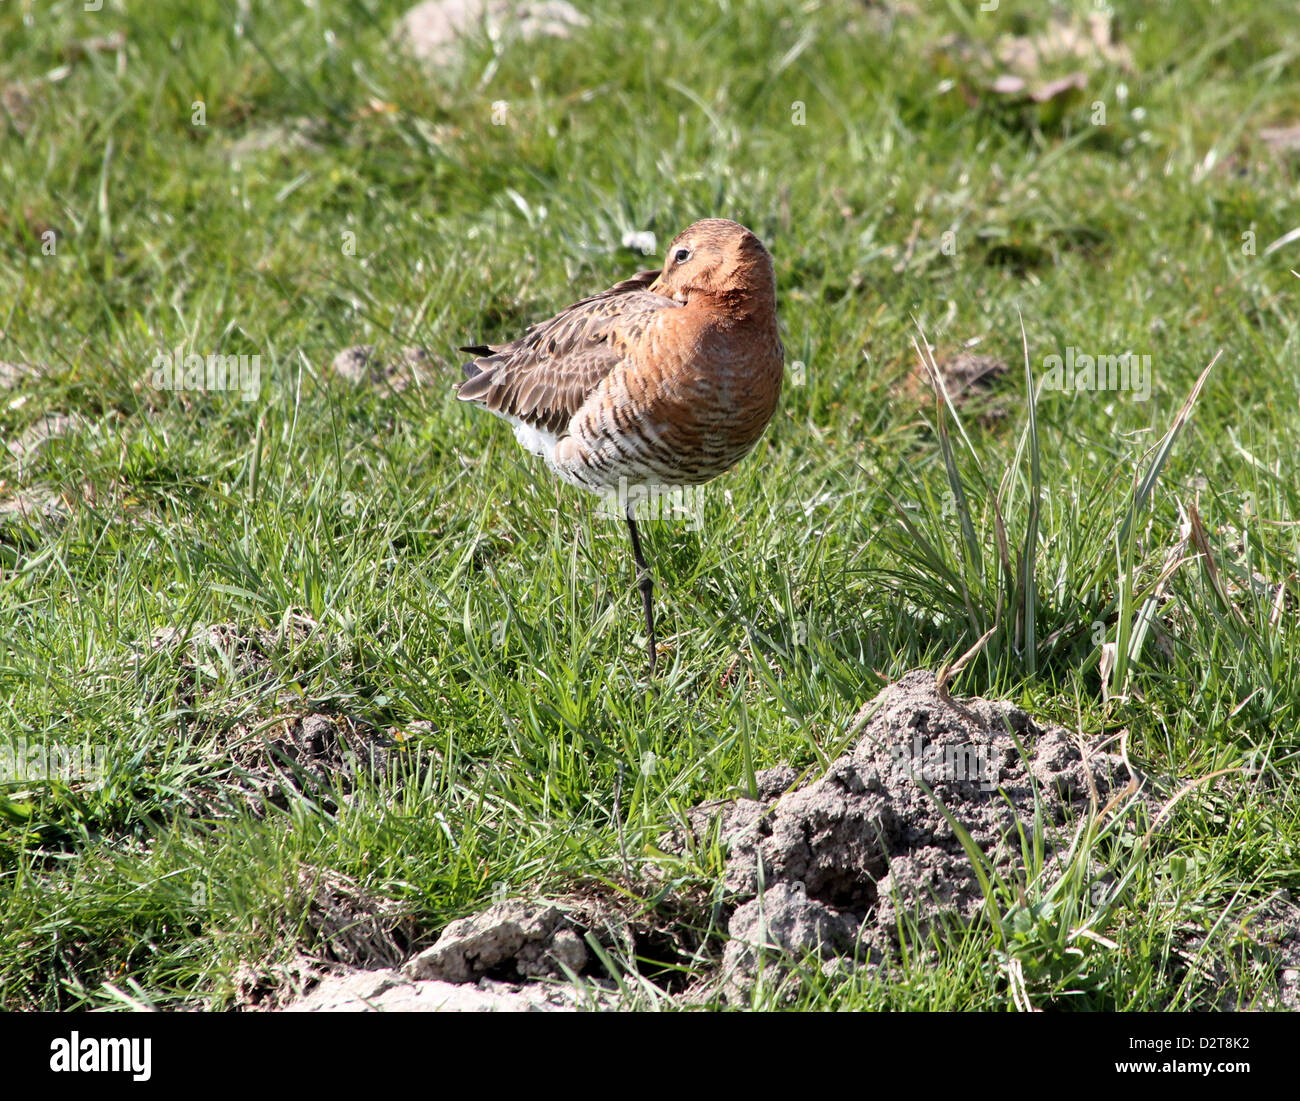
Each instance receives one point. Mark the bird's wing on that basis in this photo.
(544, 377)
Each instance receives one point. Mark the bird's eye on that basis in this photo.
(682, 255)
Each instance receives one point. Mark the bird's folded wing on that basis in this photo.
(544, 377)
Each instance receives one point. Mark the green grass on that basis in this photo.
(446, 577)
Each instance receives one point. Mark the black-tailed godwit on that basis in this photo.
(665, 380)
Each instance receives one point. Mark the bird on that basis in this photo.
(665, 380)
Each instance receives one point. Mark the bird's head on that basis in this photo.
(719, 261)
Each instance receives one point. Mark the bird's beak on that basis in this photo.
(657, 287)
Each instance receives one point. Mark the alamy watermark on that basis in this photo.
(1079, 371)
(214, 373)
(655, 500)
(102, 1054)
(36, 762)
(966, 761)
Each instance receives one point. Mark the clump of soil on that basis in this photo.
(390, 991)
(512, 939)
(353, 927)
(1051, 61)
(361, 366)
(318, 755)
(435, 31)
(832, 866)
(230, 651)
(974, 383)
(348, 930)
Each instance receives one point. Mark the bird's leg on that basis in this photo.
(646, 583)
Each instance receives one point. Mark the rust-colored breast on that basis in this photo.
(690, 400)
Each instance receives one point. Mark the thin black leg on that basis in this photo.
(646, 583)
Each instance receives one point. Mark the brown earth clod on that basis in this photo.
(361, 366)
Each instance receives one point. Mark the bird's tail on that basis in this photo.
(472, 369)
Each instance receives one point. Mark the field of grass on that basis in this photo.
(277, 180)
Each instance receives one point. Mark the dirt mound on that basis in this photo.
(348, 931)
(832, 867)
(511, 939)
(434, 31)
(224, 652)
(319, 755)
(490, 962)
(976, 384)
(390, 991)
